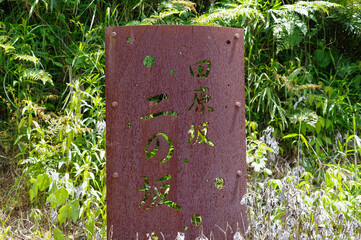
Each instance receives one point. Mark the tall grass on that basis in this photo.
(302, 79)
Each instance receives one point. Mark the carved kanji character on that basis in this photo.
(200, 100)
(199, 135)
(203, 69)
(160, 193)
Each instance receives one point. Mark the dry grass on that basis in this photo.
(17, 218)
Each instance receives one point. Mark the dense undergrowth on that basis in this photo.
(303, 91)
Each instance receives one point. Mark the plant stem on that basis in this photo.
(355, 152)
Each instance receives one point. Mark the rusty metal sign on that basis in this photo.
(176, 143)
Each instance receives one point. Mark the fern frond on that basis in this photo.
(170, 13)
(306, 11)
(34, 74)
(3, 38)
(25, 57)
(318, 5)
(188, 4)
(352, 21)
(289, 29)
(306, 116)
(291, 26)
(354, 27)
(166, 14)
(7, 47)
(235, 17)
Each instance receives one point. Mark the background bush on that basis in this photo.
(303, 90)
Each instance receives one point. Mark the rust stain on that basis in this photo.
(176, 140)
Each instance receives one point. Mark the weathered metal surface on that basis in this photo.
(200, 73)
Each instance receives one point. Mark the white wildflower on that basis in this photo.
(356, 224)
(306, 225)
(202, 238)
(259, 229)
(298, 101)
(285, 236)
(271, 142)
(180, 236)
(53, 215)
(292, 220)
(322, 229)
(238, 236)
(338, 138)
(247, 200)
(79, 191)
(298, 171)
(279, 229)
(340, 219)
(304, 237)
(271, 203)
(283, 195)
(101, 125)
(349, 228)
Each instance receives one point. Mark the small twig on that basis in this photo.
(211, 236)
(6, 92)
(225, 231)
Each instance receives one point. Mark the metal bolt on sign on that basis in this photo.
(176, 140)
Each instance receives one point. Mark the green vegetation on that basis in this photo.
(303, 92)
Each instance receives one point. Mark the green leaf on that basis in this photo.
(18, 138)
(65, 212)
(318, 127)
(269, 149)
(349, 138)
(58, 234)
(58, 64)
(304, 140)
(290, 135)
(321, 120)
(43, 181)
(322, 58)
(76, 210)
(329, 141)
(33, 191)
(267, 171)
(61, 195)
(21, 123)
(52, 200)
(328, 123)
(276, 183)
(306, 176)
(329, 181)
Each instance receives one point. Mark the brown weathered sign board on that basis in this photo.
(176, 143)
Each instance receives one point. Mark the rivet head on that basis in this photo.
(113, 34)
(115, 175)
(238, 104)
(114, 104)
(239, 173)
(236, 35)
